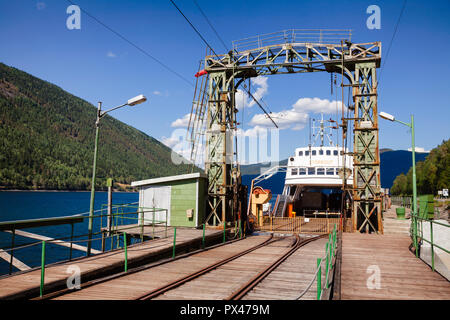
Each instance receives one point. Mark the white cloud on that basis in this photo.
(157, 93)
(317, 105)
(110, 54)
(181, 122)
(297, 117)
(418, 149)
(262, 88)
(41, 5)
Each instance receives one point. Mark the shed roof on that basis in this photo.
(168, 179)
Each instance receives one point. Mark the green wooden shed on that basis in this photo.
(183, 196)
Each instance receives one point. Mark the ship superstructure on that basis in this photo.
(314, 176)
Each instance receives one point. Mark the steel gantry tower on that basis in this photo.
(294, 51)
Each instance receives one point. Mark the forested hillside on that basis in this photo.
(432, 175)
(47, 140)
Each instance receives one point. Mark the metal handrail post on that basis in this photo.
(71, 242)
(432, 245)
(319, 278)
(224, 226)
(12, 250)
(327, 249)
(153, 224)
(203, 238)
(240, 229)
(166, 221)
(41, 289)
(125, 250)
(142, 225)
(174, 241)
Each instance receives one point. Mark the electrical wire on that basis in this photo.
(134, 45)
(209, 46)
(193, 27)
(210, 24)
(392, 39)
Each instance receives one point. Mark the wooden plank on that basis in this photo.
(15, 262)
(27, 284)
(402, 275)
(58, 242)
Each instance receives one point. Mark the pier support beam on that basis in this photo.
(366, 215)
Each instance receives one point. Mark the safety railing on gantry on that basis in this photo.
(316, 36)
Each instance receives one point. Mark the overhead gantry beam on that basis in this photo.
(357, 62)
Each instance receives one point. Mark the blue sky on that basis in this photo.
(96, 65)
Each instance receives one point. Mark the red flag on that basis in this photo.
(200, 73)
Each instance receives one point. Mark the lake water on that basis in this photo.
(23, 205)
(18, 205)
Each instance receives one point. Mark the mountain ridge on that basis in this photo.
(47, 140)
(393, 163)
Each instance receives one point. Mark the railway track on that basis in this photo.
(214, 273)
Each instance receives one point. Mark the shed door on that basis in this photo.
(156, 197)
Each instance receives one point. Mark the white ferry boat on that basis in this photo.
(314, 178)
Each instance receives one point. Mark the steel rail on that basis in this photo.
(134, 270)
(154, 293)
(241, 292)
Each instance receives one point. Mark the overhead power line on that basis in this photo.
(134, 45)
(392, 39)
(210, 24)
(208, 45)
(193, 27)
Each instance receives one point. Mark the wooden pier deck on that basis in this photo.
(292, 277)
(24, 285)
(402, 276)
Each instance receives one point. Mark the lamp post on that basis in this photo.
(390, 117)
(134, 101)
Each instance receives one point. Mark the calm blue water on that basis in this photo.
(18, 205)
(35, 205)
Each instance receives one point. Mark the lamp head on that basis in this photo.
(136, 100)
(387, 116)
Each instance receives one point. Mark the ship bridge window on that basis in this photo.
(320, 171)
(313, 152)
(311, 171)
(300, 153)
(306, 153)
(335, 152)
(342, 153)
(320, 152)
(294, 171)
(328, 152)
(302, 171)
(337, 170)
(330, 171)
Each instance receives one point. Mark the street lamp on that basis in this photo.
(131, 102)
(390, 117)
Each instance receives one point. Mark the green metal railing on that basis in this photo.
(418, 237)
(327, 262)
(122, 222)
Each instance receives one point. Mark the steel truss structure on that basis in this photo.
(356, 62)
